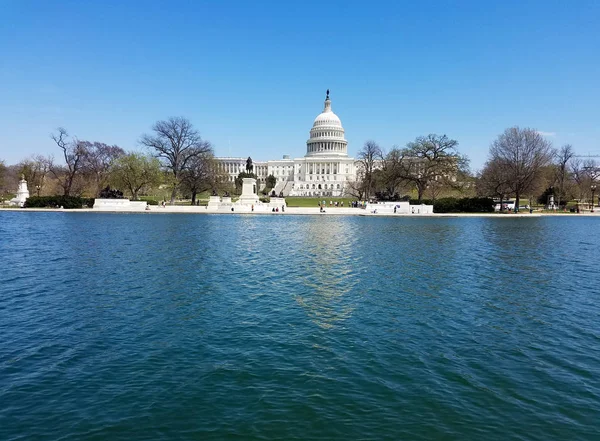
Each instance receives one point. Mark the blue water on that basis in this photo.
(146, 327)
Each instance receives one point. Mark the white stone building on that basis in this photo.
(324, 170)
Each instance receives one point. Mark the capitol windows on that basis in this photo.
(338, 186)
(313, 186)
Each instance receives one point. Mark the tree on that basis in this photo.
(494, 181)
(584, 174)
(136, 171)
(2, 178)
(389, 175)
(73, 152)
(562, 160)
(356, 188)
(175, 142)
(523, 154)
(97, 161)
(271, 181)
(200, 174)
(35, 171)
(428, 161)
(367, 160)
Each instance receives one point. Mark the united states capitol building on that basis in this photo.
(325, 169)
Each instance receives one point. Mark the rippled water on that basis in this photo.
(144, 327)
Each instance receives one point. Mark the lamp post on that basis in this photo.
(38, 188)
(593, 188)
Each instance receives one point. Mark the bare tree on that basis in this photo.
(430, 160)
(389, 175)
(356, 188)
(562, 159)
(592, 168)
(175, 142)
(524, 153)
(584, 174)
(35, 170)
(367, 159)
(200, 174)
(494, 181)
(73, 152)
(97, 162)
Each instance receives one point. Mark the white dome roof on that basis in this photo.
(327, 118)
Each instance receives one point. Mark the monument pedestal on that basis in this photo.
(249, 196)
(213, 203)
(119, 205)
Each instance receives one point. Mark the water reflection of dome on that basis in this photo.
(330, 277)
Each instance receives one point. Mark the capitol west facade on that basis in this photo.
(325, 169)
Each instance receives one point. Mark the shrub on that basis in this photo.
(149, 200)
(68, 202)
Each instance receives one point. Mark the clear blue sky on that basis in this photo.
(251, 76)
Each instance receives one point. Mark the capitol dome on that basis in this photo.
(327, 134)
